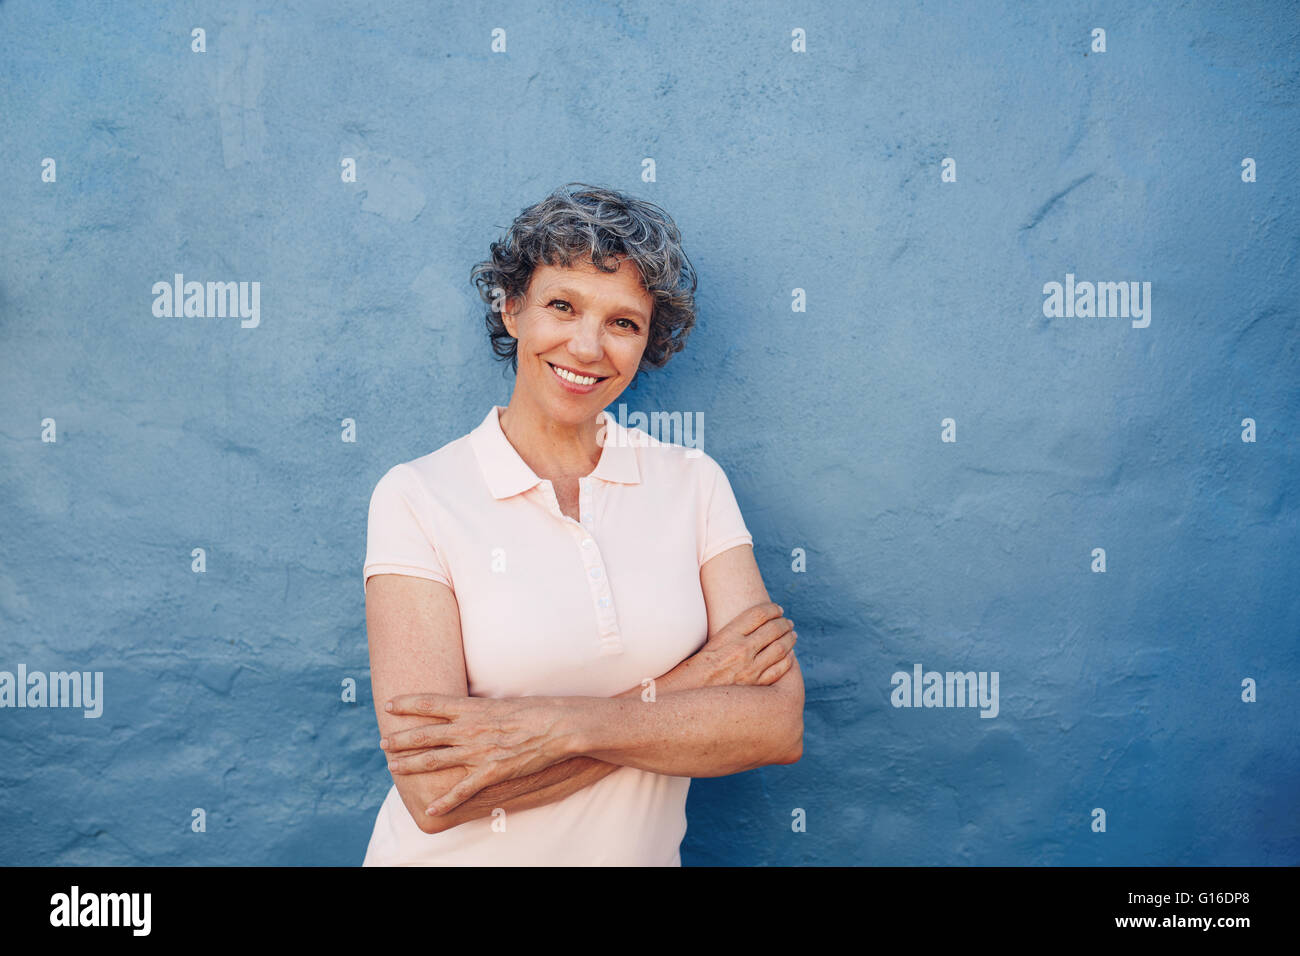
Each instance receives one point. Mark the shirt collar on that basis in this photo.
(507, 474)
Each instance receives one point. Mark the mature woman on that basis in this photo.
(566, 621)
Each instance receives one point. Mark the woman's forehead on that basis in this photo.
(625, 285)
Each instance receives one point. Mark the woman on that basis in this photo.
(566, 620)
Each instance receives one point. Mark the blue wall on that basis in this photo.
(818, 171)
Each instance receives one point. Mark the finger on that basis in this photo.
(406, 762)
(775, 651)
(755, 616)
(770, 655)
(776, 671)
(435, 758)
(425, 705)
(771, 631)
(458, 794)
(409, 753)
(418, 738)
(762, 613)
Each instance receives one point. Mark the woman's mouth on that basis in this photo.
(576, 382)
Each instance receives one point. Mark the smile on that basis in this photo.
(573, 378)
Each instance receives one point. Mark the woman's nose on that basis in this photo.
(585, 342)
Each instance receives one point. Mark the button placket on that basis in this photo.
(597, 580)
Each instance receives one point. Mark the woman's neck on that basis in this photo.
(553, 450)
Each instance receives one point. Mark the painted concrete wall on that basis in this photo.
(820, 171)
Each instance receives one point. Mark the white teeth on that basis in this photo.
(575, 379)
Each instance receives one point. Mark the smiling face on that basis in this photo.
(581, 333)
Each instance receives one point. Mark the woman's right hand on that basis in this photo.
(753, 649)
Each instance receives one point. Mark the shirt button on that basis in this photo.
(595, 572)
(587, 543)
(604, 602)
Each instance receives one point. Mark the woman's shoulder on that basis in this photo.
(443, 469)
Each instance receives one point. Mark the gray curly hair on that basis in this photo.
(598, 224)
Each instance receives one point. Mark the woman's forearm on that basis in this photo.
(523, 793)
(700, 732)
(549, 785)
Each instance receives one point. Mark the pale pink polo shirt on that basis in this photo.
(553, 606)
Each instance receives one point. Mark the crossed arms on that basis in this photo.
(735, 705)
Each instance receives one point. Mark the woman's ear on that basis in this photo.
(508, 314)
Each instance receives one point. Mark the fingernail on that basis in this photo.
(383, 743)
(388, 706)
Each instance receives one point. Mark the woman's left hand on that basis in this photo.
(495, 739)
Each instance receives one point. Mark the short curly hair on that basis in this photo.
(598, 224)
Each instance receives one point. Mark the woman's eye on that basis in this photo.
(561, 302)
(631, 326)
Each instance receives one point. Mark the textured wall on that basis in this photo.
(819, 171)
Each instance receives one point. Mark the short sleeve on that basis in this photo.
(399, 539)
(721, 525)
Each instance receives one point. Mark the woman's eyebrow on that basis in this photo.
(563, 291)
